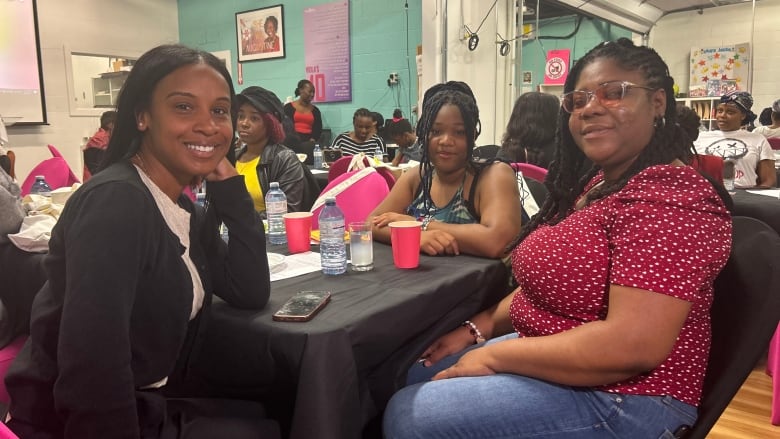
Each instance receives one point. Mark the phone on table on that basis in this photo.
(302, 306)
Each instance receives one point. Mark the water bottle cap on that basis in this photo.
(274, 185)
(330, 201)
(40, 177)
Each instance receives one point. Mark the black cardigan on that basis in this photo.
(114, 314)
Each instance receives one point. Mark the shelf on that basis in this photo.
(106, 88)
(705, 108)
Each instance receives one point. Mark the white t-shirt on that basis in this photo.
(767, 132)
(745, 147)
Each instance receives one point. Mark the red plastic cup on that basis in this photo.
(405, 239)
(297, 226)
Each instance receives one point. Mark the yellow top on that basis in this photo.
(249, 171)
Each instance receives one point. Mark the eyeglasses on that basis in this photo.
(609, 94)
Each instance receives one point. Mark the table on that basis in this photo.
(337, 372)
(761, 207)
(321, 175)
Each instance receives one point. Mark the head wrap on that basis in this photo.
(743, 100)
(271, 108)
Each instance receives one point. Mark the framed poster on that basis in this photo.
(260, 33)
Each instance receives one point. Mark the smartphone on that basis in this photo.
(302, 306)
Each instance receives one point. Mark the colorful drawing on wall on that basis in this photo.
(715, 69)
(260, 33)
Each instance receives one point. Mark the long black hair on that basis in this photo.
(668, 142)
(454, 93)
(136, 94)
(530, 132)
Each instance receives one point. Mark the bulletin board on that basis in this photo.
(717, 70)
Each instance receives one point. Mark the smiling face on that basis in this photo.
(270, 28)
(251, 126)
(729, 116)
(614, 137)
(187, 128)
(447, 141)
(363, 127)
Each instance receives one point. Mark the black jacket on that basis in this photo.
(279, 163)
(113, 316)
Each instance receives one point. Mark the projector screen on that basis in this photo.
(21, 84)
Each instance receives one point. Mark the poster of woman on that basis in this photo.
(260, 33)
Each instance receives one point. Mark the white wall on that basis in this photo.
(489, 74)
(89, 26)
(674, 35)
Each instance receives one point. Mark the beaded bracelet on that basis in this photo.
(427, 220)
(473, 330)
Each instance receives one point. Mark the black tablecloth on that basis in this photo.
(22, 276)
(761, 207)
(337, 371)
(321, 177)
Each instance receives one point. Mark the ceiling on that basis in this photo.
(636, 15)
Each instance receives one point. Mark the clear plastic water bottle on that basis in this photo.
(275, 207)
(379, 154)
(223, 232)
(40, 186)
(333, 251)
(317, 156)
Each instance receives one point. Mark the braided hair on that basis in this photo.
(450, 93)
(668, 142)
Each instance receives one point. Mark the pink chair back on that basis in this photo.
(55, 170)
(774, 142)
(6, 433)
(357, 194)
(340, 166)
(7, 355)
(531, 171)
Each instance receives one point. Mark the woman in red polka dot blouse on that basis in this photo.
(608, 333)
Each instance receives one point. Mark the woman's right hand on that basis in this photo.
(448, 344)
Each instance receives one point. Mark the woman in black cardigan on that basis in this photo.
(133, 264)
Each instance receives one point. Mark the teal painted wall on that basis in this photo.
(590, 33)
(377, 43)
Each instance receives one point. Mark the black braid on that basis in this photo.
(454, 93)
(668, 142)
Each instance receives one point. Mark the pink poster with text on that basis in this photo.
(326, 47)
(556, 69)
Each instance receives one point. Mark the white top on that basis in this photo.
(767, 132)
(744, 147)
(178, 221)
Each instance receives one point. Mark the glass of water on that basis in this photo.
(361, 246)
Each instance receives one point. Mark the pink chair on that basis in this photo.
(7, 355)
(531, 171)
(357, 193)
(774, 142)
(5, 433)
(340, 166)
(772, 366)
(55, 170)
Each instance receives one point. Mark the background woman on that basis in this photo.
(132, 267)
(360, 139)
(771, 129)
(612, 308)
(263, 159)
(754, 160)
(305, 116)
(464, 206)
(530, 133)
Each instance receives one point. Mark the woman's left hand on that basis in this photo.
(472, 364)
(223, 171)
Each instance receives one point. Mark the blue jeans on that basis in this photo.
(514, 406)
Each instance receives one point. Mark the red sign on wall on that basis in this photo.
(557, 66)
